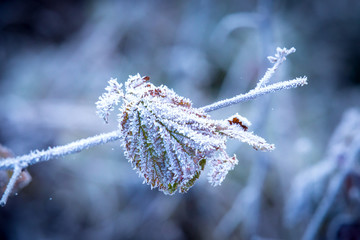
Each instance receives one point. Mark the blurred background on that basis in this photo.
(57, 56)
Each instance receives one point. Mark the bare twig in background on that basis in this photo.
(307, 189)
(345, 147)
(246, 206)
(327, 176)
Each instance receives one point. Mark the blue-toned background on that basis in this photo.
(57, 56)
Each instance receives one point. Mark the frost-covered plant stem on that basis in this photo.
(18, 163)
(109, 99)
(252, 94)
(278, 59)
(60, 151)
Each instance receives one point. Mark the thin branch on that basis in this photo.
(60, 151)
(279, 58)
(256, 93)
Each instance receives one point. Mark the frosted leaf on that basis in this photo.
(165, 139)
(168, 142)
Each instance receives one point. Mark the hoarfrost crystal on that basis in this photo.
(169, 142)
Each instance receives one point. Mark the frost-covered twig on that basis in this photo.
(252, 94)
(278, 59)
(18, 163)
(60, 151)
(261, 87)
(164, 137)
